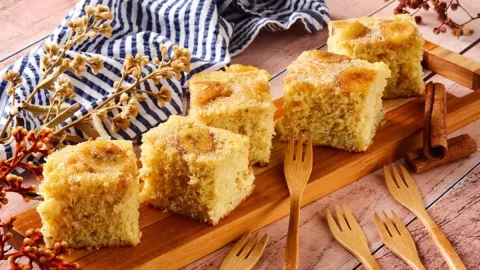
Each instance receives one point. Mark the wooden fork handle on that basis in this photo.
(291, 251)
(369, 262)
(443, 245)
(416, 264)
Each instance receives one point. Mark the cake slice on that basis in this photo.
(91, 196)
(195, 171)
(334, 98)
(395, 41)
(238, 100)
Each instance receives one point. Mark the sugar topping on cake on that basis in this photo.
(336, 71)
(237, 99)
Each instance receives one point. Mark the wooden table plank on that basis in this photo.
(318, 249)
(272, 65)
(457, 213)
(27, 21)
(330, 255)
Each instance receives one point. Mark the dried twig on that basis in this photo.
(442, 8)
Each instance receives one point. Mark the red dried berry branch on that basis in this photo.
(442, 8)
(4, 237)
(45, 258)
(26, 143)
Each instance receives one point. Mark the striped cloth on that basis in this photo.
(211, 30)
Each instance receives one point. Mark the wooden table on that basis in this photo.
(451, 192)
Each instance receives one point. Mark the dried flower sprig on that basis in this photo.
(125, 97)
(442, 8)
(45, 258)
(51, 135)
(96, 21)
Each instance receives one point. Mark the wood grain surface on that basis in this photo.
(184, 241)
(450, 191)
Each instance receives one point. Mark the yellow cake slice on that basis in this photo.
(395, 41)
(336, 99)
(91, 196)
(196, 171)
(238, 100)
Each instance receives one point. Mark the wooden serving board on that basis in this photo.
(170, 242)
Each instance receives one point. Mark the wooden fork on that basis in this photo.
(405, 192)
(397, 238)
(297, 172)
(350, 235)
(245, 254)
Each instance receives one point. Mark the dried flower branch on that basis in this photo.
(95, 21)
(45, 258)
(125, 97)
(442, 8)
(41, 142)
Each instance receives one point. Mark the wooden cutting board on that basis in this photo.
(170, 242)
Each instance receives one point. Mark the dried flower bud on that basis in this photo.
(120, 123)
(96, 63)
(78, 65)
(12, 76)
(457, 32)
(105, 29)
(29, 233)
(418, 19)
(454, 6)
(102, 12)
(163, 96)
(65, 87)
(123, 97)
(426, 6)
(79, 25)
(51, 49)
(27, 241)
(48, 253)
(468, 32)
(163, 50)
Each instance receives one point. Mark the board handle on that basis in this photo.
(451, 65)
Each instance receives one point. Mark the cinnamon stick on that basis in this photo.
(435, 129)
(458, 148)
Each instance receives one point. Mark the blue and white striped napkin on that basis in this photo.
(211, 30)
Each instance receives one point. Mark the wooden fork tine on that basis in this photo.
(399, 224)
(391, 228)
(259, 247)
(406, 176)
(331, 222)
(299, 148)
(389, 179)
(238, 246)
(381, 227)
(308, 151)
(351, 219)
(249, 246)
(341, 219)
(398, 178)
(290, 149)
